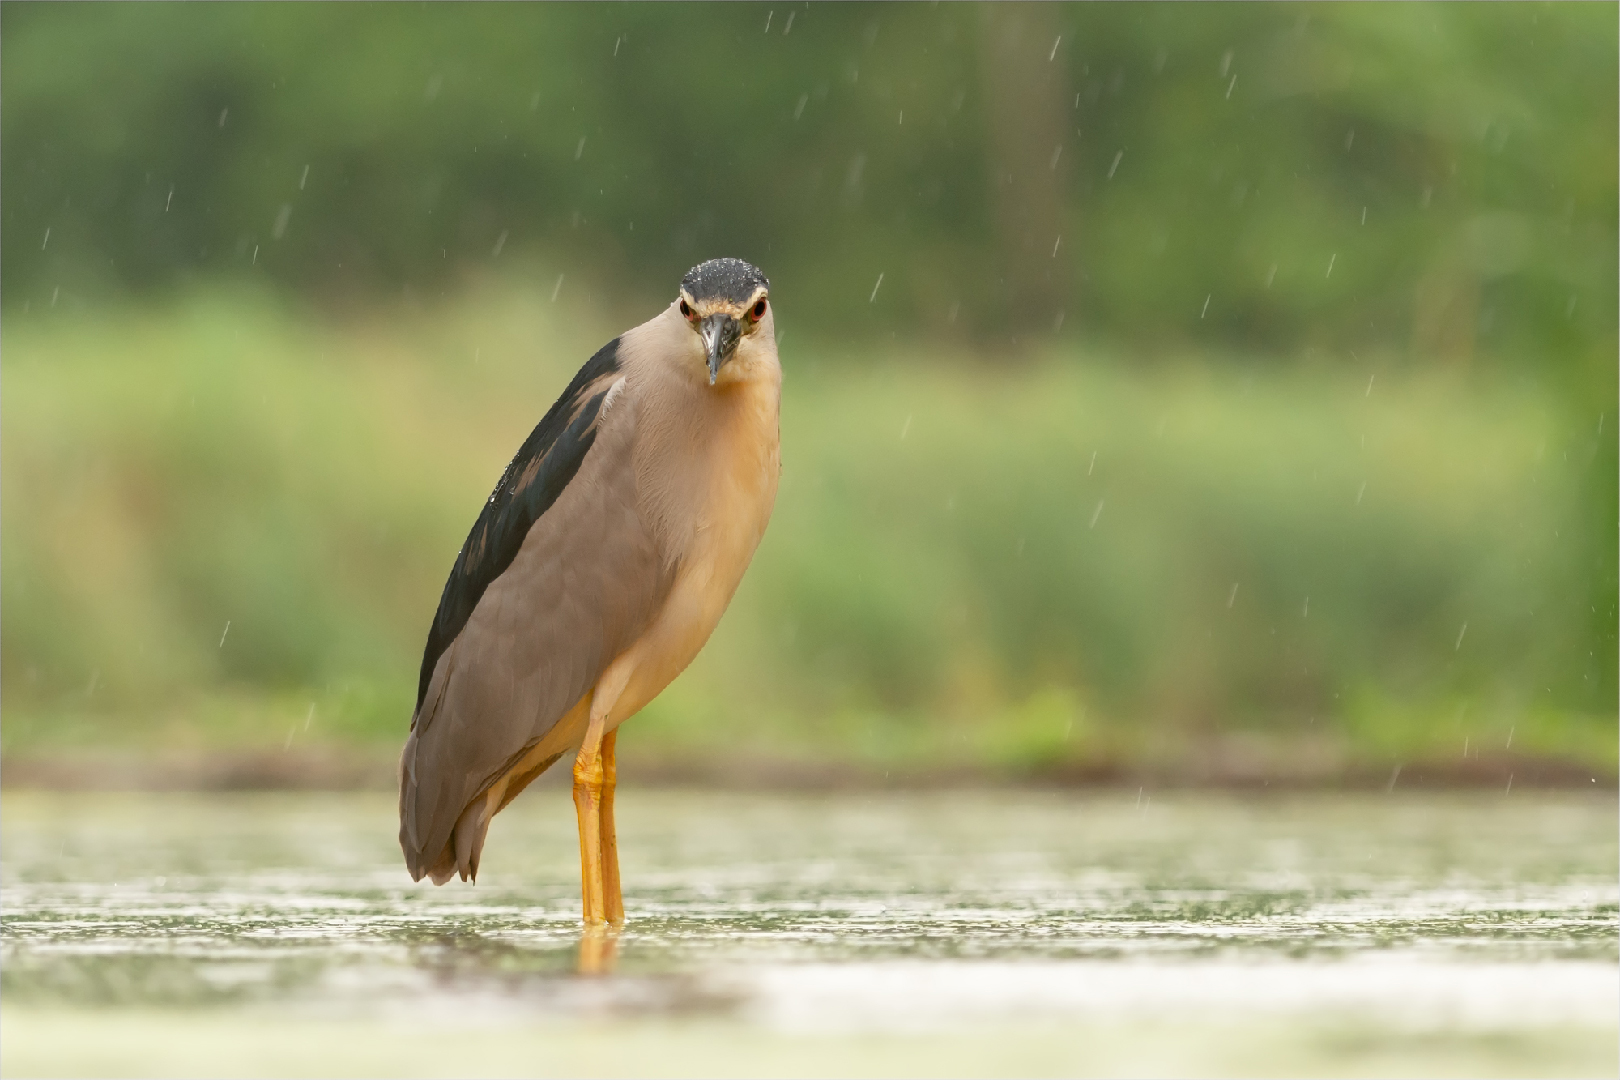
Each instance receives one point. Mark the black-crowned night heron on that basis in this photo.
(596, 571)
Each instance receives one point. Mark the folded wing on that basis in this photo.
(559, 575)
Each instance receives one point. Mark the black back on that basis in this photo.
(559, 444)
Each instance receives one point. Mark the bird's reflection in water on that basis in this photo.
(598, 950)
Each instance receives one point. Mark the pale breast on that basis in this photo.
(741, 462)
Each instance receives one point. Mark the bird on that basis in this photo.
(594, 574)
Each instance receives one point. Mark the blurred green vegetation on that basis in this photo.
(403, 141)
(1275, 177)
(1067, 564)
(1165, 381)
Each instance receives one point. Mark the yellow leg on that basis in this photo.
(612, 900)
(594, 776)
(588, 805)
(599, 944)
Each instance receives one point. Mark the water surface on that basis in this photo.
(941, 932)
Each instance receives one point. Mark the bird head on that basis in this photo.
(725, 302)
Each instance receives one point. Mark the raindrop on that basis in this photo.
(905, 428)
(1305, 614)
(875, 288)
(54, 294)
(1095, 514)
(309, 715)
(1093, 465)
(1509, 790)
(1569, 308)
(557, 288)
(789, 27)
(1393, 776)
(620, 40)
(279, 229)
(1370, 379)
(956, 305)
(434, 85)
(1333, 259)
(1349, 139)
(804, 99)
(1229, 87)
(902, 118)
(303, 178)
(852, 177)
(1509, 745)
(1055, 244)
(1057, 322)
(500, 242)
(1057, 152)
(1460, 634)
(1205, 310)
(1271, 275)
(768, 16)
(1231, 597)
(580, 149)
(1364, 215)
(1360, 492)
(1226, 62)
(47, 238)
(223, 113)
(255, 260)
(1115, 165)
(226, 631)
(1053, 54)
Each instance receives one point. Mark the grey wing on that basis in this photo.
(582, 587)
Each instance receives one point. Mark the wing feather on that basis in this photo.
(545, 463)
(559, 575)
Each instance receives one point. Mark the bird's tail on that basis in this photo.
(461, 849)
(460, 852)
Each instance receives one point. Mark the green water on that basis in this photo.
(949, 932)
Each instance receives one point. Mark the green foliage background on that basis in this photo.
(1092, 314)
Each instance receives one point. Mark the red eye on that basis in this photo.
(759, 309)
(686, 309)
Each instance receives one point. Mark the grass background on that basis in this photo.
(1075, 562)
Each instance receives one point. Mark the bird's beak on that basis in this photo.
(720, 333)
